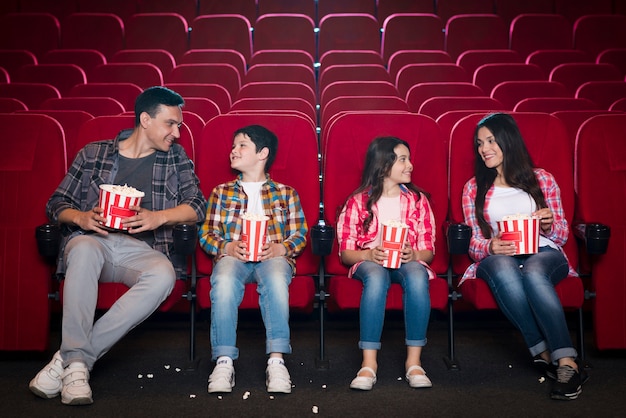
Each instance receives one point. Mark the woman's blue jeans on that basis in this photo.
(228, 281)
(524, 290)
(376, 280)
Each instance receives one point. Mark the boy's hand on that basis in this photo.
(272, 250)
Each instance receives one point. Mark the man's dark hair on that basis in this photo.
(152, 98)
(262, 138)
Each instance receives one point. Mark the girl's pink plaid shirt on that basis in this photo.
(415, 212)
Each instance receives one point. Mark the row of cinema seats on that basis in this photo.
(36, 161)
(42, 32)
(316, 9)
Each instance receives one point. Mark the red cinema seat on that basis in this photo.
(34, 32)
(421, 92)
(574, 119)
(223, 74)
(471, 59)
(214, 92)
(223, 31)
(10, 105)
(446, 9)
(281, 72)
(553, 104)
(388, 7)
(594, 33)
(574, 74)
(61, 76)
(411, 31)
(600, 152)
(281, 56)
(204, 107)
(614, 56)
(542, 134)
(509, 9)
(349, 56)
(574, 9)
(466, 32)
(602, 93)
(487, 76)
(413, 74)
(285, 31)
(125, 93)
(162, 58)
(86, 59)
(437, 106)
(357, 88)
(326, 7)
(167, 31)
(403, 57)
(352, 72)
(124, 9)
(95, 106)
(245, 8)
(260, 104)
(278, 89)
(103, 32)
(530, 32)
(142, 74)
(547, 59)
(348, 31)
(343, 156)
(31, 94)
(341, 104)
(215, 56)
(619, 105)
(188, 9)
(36, 162)
(306, 7)
(509, 93)
(12, 59)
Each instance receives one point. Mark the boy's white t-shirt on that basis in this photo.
(253, 191)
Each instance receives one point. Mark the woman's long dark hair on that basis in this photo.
(379, 159)
(517, 166)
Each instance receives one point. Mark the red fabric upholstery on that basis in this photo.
(530, 32)
(285, 30)
(475, 31)
(348, 31)
(93, 30)
(411, 31)
(343, 158)
(600, 187)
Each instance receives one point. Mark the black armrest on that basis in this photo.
(185, 238)
(458, 236)
(48, 238)
(322, 237)
(595, 236)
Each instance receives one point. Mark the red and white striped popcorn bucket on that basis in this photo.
(254, 234)
(116, 205)
(393, 240)
(525, 233)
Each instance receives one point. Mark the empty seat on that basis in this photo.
(553, 104)
(351, 56)
(10, 105)
(487, 76)
(348, 31)
(141, 73)
(411, 31)
(281, 72)
(215, 92)
(125, 93)
(574, 9)
(281, 56)
(614, 56)
(167, 31)
(399, 59)
(101, 31)
(95, 106)
(36, 162)
(278, 89)
(602, 93)
(222, 74)
(336, 106)
(284, 31)
(509, 93)
(572, 75)
(600, 178)
(530, 32)
(215, 56)
(472, 59)
(35, 32)
(204, 107)
(124, 9)
(159, 57)
(421, 92)
(357, 88)
(362, 72)
(295, 104)
(475, 31)
(509, 9)
(61, 76)
(31, 94)
(326, 7)
(618, 105)
(188, 9)
(447, 9)
(305, 7)
(59, 9)
(225, 31)
(245, 8)
(413, 74)
(437, 106)
(86, 59)
(574, 119)
(12, 59)
(595, 33)
(387, 8)
(547, 59)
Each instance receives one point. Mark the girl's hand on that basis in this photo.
(547, 219)
(501, 247)
(377, 255)
(408, 254)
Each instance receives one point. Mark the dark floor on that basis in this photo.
(147, 374)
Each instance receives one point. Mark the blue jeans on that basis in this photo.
(376, 280)
(227, 288)
(524, 290)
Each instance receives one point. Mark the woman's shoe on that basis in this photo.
(364, 382)
(418, 380)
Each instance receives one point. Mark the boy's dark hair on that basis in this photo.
(152, 98)
(262, 138)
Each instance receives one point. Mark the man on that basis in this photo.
(148, 159)
(252, 193)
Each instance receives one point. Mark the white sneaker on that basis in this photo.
(277, 378)
(76, 389)
(222, 380)
(48, 383)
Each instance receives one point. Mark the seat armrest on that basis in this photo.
(322, 237)
(595, 236)
(48, 238)
(185, 238)
(458, 236)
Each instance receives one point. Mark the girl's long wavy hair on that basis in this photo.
(379, 159)
(517, 166)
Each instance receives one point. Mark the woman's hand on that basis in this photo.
(377, 255)
(547, 219)
(501, 247)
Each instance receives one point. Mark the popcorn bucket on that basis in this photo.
(116, 205)
(525, 233)
(393, 240)
(254, 234)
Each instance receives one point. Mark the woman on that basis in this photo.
(506, 183)
(387, 194)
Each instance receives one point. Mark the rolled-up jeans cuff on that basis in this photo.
(224, 350)
(538, 348)
(279, 345)
(368, 345)
(416, 343)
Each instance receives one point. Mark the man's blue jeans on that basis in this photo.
(228, 282)
(524, 290)
(376, 280)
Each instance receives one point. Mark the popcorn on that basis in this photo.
(115, 201)
(394, 234)
(523, 229)
(254, 230)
